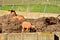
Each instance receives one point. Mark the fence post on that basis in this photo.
(45, 36)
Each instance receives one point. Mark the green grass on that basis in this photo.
(33, 8)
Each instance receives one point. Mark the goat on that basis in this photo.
(15, 16)
(12, 12)
(25, 26)
(28, 27)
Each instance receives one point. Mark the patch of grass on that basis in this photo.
(5, 7)
(33, 8)
(37, 7)
(15, 7)
(53, 9)
(41, 7)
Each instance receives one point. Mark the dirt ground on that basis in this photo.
(9, 25)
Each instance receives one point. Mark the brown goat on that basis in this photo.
(28, 27)
(13, 13)
(15, 16)
(20, 17)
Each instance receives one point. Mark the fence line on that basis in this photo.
(18, 2)
(27, 36)
(30, 36)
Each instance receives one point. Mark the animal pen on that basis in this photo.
(34, 11)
